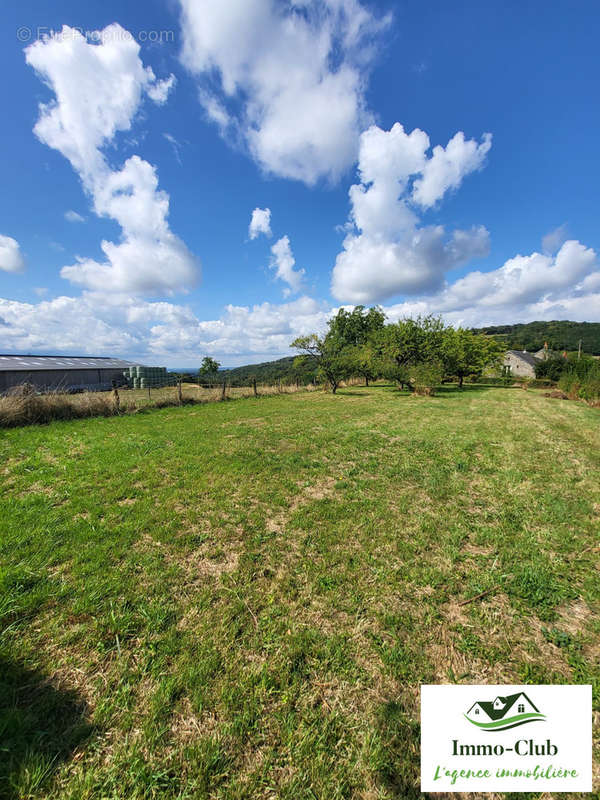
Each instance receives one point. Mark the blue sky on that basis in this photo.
(166, 129)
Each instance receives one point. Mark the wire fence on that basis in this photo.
(181, 392)
(25, 405)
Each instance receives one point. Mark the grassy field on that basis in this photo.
(241, 599)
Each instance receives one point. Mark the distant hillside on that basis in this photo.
(269, 372)
(560, 335)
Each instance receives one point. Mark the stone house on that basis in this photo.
(520, 363)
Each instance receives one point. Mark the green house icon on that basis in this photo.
(503, 712)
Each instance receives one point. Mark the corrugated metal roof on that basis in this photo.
(29, 363)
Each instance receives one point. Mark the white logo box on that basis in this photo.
(506, 738)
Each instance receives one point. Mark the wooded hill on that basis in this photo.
(270, 372)
(560, 335)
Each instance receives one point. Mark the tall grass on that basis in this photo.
(23, 406)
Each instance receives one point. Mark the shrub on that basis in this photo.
(425, 377)
(552, 368)
(581, 379)
(590, 389)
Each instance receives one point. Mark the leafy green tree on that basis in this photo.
(344, 350)
(363, 362)
(353, 331)
(551, 368)
(208, 369)
(353, 328)
(464, 353)
(328, 354)
(405, 344)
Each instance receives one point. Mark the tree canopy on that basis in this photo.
(418, 353)
(209, 368)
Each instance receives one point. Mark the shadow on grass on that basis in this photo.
(398, 766)
(454, 389)
(40, 726)
(445, 390)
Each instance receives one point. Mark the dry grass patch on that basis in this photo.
(277, 523)
(187, 726)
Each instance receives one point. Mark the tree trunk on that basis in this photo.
(460, 381)
(334, 386)
(366, 380)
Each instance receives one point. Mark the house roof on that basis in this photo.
(509, 701)
(529, 358)
(9, 363)
(550, 351)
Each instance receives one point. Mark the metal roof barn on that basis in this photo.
(62, 373)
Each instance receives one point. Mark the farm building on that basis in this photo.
(521, 363)
(67, 373)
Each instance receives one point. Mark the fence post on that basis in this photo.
(149, 395)
(116, 400)
(279, 385)
(179, 394)
(254, 387)
(223, 390)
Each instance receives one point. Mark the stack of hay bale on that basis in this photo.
(146, 377)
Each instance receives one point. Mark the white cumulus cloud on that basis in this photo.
(98, 84)
(290, 79)
(386, 251)
(260, 223)
(447, 167)
(283, 262)
(159, 91)
(523, 289)
(157, 332)
(11, 259)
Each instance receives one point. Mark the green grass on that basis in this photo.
(241, 599)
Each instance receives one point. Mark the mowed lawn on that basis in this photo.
(240, 600)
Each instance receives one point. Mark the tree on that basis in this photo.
(464, 353)
(345, 348)
(406, 344)
(362, 361)
(328, 354)
(355, 327)
(551, 368)
(353, 332)
(209, 368)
